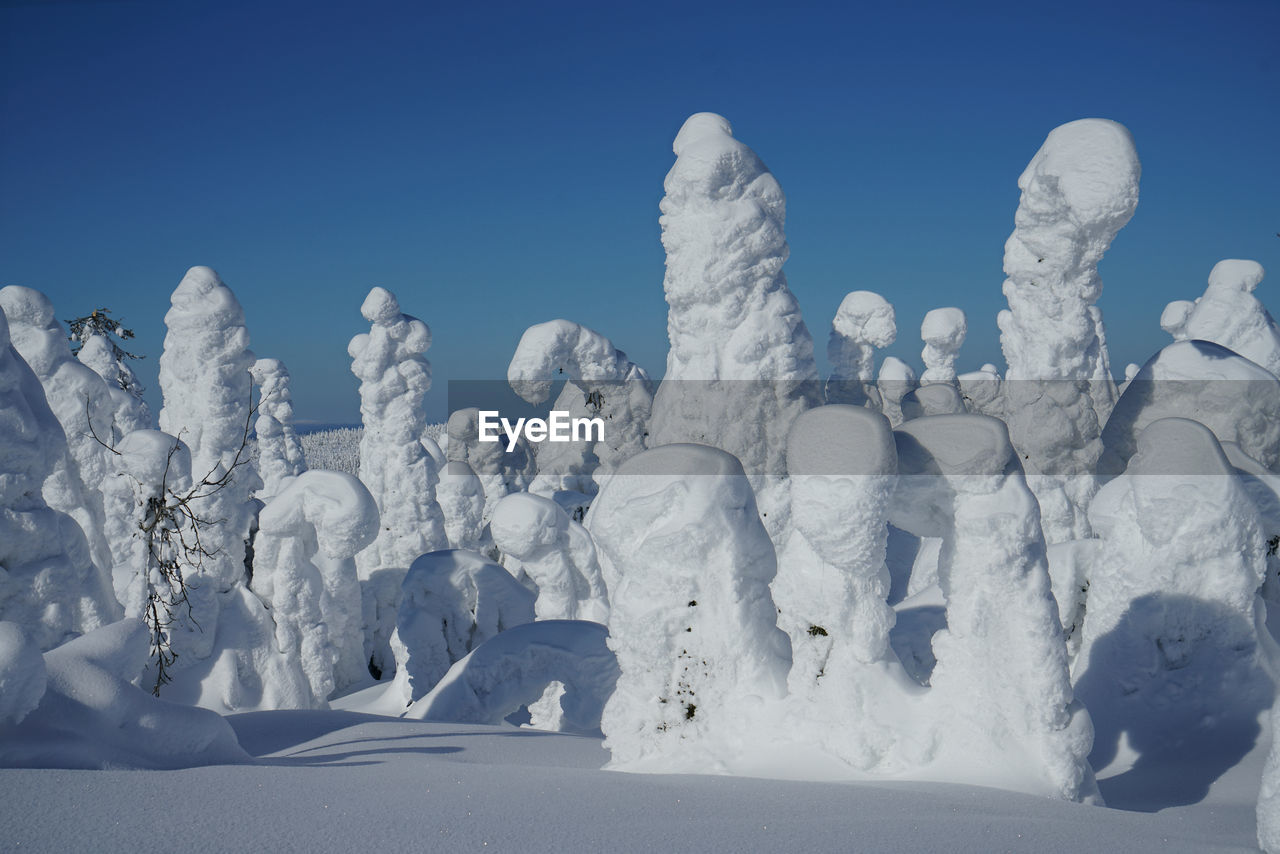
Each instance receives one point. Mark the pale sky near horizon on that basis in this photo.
(500, 164)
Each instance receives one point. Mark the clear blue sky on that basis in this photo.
(500, 164)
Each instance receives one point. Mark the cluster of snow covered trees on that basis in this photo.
(934, 575)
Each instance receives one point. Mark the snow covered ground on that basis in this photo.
(344, 781)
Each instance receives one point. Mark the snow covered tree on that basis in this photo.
(1230, 315)
(1000, 696)
(943, 331)
(93, 343)
(279, 451)
(601, 383)
(394, 378)
(51, 588)
(82, 403)
(1078, 191)
(687, 563)
(864, 323)
(738, 342)
(305, 571)
(895, 381)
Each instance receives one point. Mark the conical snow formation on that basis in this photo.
(1078, 191)
(394, 378)
(738, 342)
(943, 331)
(1000, 692)
(688, 564)
(51, 588)
(279, 450)
(304, 569)
(601, 383)
(83, 406)
(1229, 314)
(130, 411)
(864, 323)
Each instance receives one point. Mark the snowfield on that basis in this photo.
(887, 609)
(343, 781)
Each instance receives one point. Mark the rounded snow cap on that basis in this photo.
(1235, 275)
(524, 524)
(944, 328)
(1178, 446)
(26, 306)
(1092, 165)
(700, 126)
(380, 306)
(152, 456)
(866, 316)
(1175, 315)
(841, 440)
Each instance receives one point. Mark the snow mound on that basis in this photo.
(92, 716)
(515, 668)
(452, 601)
(1235, 398)
(688, 564)
(22, 674)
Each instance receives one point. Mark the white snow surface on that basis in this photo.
(23, 676)
(129, 411)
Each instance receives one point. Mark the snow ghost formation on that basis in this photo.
(304, 570)
(279, 450)
(601, 383)
(1000, 690)
(1235, 398)
(500, 473)
(453, 601)
(75, 395)
(943, 332)
(894, 382)
(460, 494)
(1173, 645)
(130, 411)
(688, 563)
(1229, 314)
(51, 588)
(1078, 191)
(832, 580)
(394, 465)
(149, 468)
(204, 377)
(738, 342)
(864, 323)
